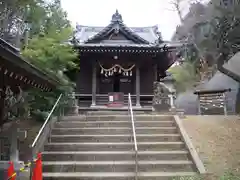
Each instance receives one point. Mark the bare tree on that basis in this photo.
(177, 6)
(12, 17)
(183, 7)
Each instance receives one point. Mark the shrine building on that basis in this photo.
(120, 59)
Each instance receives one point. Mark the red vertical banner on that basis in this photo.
(37, 170)
(11, 173)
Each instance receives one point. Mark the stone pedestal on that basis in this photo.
(13, 134)
(75, 107)
(73, 104)
(161, 100)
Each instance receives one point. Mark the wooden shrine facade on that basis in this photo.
(117, 58)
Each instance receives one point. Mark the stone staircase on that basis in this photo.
(101, 147)
(103, 100)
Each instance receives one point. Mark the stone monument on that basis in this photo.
(162, 97)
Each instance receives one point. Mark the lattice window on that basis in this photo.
(4, 149)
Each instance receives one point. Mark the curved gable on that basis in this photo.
(116, 27)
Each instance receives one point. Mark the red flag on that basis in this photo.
(37, 171)
(11, 173)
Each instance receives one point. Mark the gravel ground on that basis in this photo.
(217, 140)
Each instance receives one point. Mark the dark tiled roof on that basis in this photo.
(213, 91)
(117, 25)
(232, 67)
(143, 35)
(8, 46)
(123, 45)
(117, 45)
(137, 37)
(83, 33)
(11, 54)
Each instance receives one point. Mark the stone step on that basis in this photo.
(117, 166)
(113, 155)
(105, 102)
(113, 130)
(126, 123)
(114, 146)
(115, 175)
(115, 138)
(127, 117)
(116, 117)
(111, 111)
(73, 118)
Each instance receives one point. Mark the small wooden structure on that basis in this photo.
(16, 75)
(212, 101)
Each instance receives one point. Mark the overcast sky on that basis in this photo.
(135, 13)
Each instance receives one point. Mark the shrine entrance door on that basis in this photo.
(116, 83)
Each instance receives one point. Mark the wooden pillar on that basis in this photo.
(137, 86)
(225, 104)
(155, 73)
(199, 105)
(2, 104)
(94, 85)
(16, 135)
(14, 152)
(158, 73)
(2, 97)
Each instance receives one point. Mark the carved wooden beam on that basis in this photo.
(21, 78)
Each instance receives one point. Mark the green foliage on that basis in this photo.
(184, 75)
(56, 18)
(189, 178)
(47, 49)
(50, 53)
(225, 176)
(39, 115)
(48, 31)
(36, 16)
(229, 176)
